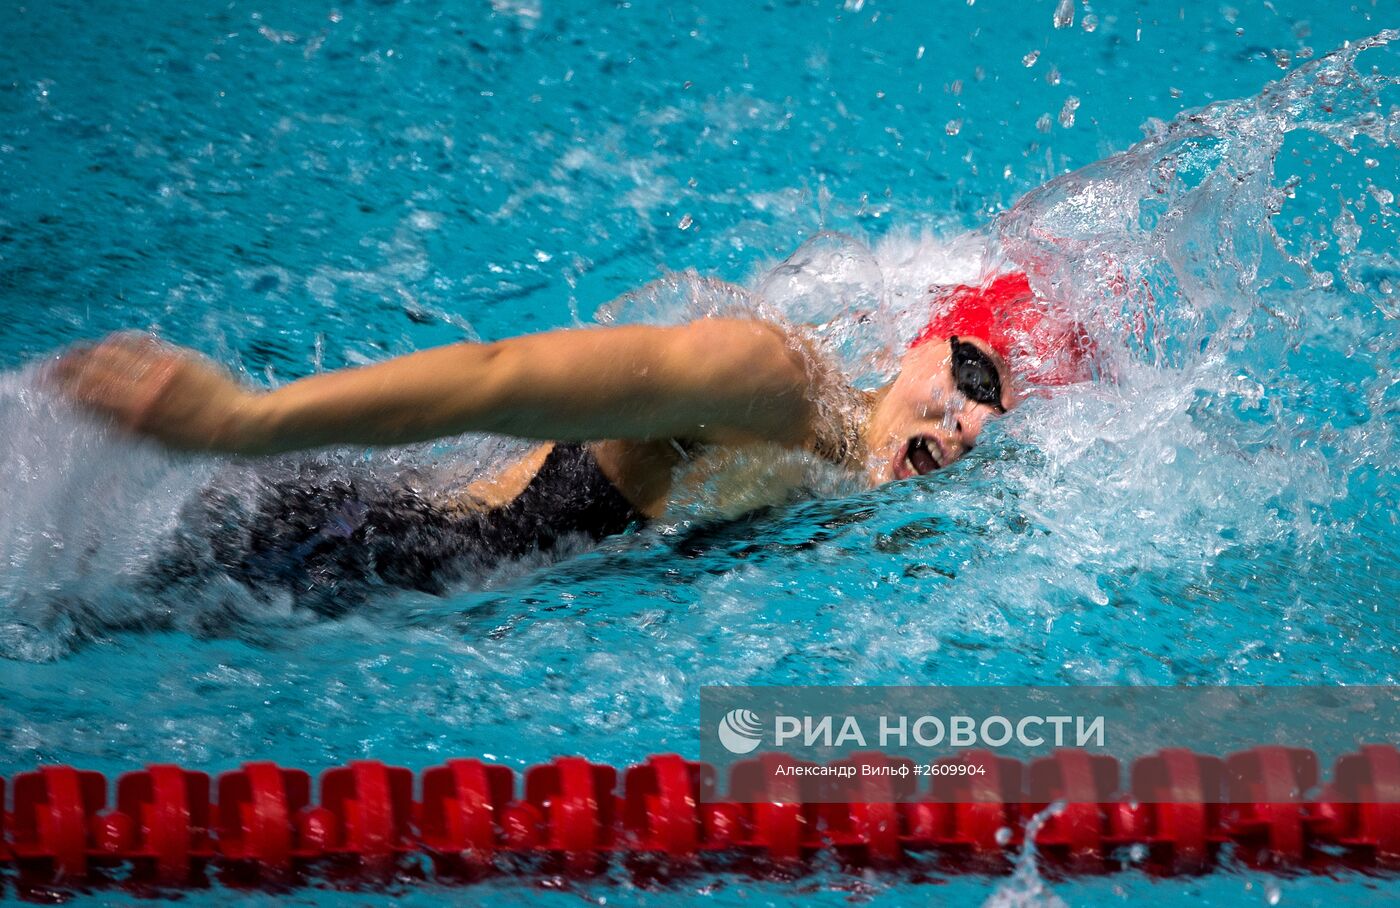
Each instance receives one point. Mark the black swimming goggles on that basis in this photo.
(975, 375)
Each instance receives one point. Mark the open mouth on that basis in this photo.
(920, 456)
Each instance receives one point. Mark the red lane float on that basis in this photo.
(1079, 832)
(1266, 787)
(1360, 808)
(460, 818)
(975, 816)
(574, 798)
(367, 814)
(871, 829)
(1177, 796)
(258, 807)
(662, 809)
(168, 810)
(54, 827)
(1179, 811)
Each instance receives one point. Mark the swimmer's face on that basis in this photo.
(933, 412)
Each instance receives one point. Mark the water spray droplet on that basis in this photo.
(1067, 112)
(1064, 14)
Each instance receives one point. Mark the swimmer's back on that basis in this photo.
(638, 471)
(327, 541)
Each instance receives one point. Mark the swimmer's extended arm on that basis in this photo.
(711, 380)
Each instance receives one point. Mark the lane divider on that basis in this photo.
(261, 825)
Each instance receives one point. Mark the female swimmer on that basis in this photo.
(615, 409)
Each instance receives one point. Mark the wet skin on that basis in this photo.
(920, 422)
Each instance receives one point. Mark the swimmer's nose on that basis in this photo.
(957, 436)
(967, 428)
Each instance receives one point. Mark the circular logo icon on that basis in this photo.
(740, 731)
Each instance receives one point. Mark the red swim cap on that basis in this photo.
(1040, 347)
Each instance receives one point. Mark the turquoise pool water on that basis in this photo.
(305, 186)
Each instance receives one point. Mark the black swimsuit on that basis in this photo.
(329, 540)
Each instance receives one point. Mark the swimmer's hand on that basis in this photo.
(158, 390)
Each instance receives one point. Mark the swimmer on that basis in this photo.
(614, 410)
